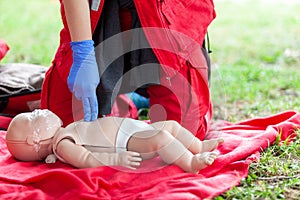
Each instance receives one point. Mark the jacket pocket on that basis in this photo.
(188, 20)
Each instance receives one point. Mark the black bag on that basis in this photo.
(20, 87)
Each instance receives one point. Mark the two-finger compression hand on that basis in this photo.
(84, 78)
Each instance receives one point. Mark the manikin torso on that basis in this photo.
(99, 135)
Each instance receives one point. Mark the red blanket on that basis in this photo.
(243, 142)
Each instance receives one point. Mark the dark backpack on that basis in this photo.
(20, 89)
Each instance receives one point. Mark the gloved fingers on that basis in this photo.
(86, 109)
(94, 107)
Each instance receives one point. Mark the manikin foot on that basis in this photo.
(202, 160)
(209, 145)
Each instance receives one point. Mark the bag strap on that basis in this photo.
(206, 50)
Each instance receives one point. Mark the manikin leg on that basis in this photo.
(170, 150)
(187, 138)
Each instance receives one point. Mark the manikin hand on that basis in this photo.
(84, 78)
(51, 158)
(127, 159)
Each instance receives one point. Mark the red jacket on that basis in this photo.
(175, 29)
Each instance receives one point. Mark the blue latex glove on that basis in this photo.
(84, 78)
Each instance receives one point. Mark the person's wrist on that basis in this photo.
(82, 46)
(82, 50)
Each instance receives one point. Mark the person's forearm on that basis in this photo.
(78, 19)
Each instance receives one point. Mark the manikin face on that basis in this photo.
(30, 134)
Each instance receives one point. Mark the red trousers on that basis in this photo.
(175, 100)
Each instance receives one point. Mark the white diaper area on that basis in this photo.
(127, 129)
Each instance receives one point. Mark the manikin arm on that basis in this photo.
(80, 157)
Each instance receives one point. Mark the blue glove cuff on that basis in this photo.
(81, 50)
(82, 46)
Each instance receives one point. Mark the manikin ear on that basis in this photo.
(32, 140)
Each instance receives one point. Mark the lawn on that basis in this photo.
(31, 29)
(255, 72)
(256, 58)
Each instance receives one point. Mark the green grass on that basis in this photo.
(255, 72)
(256, 58)
(31, 29)
(275, 176)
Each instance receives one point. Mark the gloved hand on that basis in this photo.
(84, 78)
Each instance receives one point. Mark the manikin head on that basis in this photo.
(30, 134)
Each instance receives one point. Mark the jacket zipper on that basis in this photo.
(169, 36)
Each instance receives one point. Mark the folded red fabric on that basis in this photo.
(3, 48)
(243, 142)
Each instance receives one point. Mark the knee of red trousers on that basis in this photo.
(164, 105)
